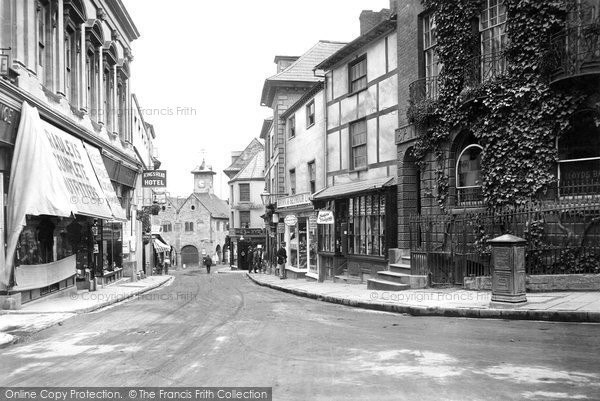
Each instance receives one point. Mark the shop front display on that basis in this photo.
(62, 212)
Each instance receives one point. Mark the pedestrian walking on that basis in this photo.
(258, 259)
(281, 261)
(250, 259)
(207, 263)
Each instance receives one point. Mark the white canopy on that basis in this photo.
(52, 173)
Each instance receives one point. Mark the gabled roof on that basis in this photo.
(301, 70)
(254, 147)
(380, 29)
(254, 169)
(177, 202)
(217, 207)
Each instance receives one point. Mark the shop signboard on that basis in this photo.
(154, 178)
(325, 217)
(280, 228)
(291, 220)
(9, 122)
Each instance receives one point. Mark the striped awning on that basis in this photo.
(161, 246)
(354, 187)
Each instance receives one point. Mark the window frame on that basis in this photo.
(292, 174)
(291, 123)
(359, 79)
(189, 226)
(312, 176)
(245, 193)
(355, 146)
(468, 188)
(310, 114)
(249, 220)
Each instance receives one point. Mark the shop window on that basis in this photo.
(357, 71)
(312, 177)
(468, 175)
(326, 237)
(244, 192)
(112, 244)
(358, 136)
(366, 225)
(293, 181)
(310, 114)
(189, 226)
(245, 219)
(579, 158)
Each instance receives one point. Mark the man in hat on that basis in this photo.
(281, 260)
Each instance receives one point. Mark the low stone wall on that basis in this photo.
(543, 283)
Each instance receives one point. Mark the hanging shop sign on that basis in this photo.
(280, 228)
(9, 122)
(291, 220)
(325, 217)
(154, 178)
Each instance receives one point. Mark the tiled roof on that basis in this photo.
(216, 207)
(301, 70)
(177, 202)
(238, 164)
(254, 169)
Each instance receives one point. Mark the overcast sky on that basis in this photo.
(199, 67)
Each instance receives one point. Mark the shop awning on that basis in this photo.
(354, 187)
(160, 246)
(53, 174)
(104, 181)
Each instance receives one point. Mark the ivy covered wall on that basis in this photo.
(516, 117)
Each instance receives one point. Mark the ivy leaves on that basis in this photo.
(516, 117)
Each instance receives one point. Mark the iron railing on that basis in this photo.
(563, 237)
(482, 68)
(423, 89)
(576, 50)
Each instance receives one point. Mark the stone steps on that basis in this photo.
(400, 268)
(383, 285)
(347, 280)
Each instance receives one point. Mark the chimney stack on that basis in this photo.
(370, 19)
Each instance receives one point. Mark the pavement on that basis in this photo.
(46, 312)
(450, 302)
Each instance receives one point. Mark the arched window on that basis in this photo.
(468, 175)
(579, 157)
(110, 62)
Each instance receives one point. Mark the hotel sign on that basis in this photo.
(294, 200)
(154, 178)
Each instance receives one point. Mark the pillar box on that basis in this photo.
(508, 269)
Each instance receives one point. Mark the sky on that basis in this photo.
(199, 67)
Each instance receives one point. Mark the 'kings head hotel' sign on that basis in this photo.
(154, 178)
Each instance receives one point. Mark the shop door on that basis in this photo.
(243, 259)
(190, 256)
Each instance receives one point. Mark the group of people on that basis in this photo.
(256, 256)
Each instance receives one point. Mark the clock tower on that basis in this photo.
(203, 179)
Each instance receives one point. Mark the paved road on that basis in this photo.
(223, 330)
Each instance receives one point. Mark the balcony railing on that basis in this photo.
(576, 51)
(424, 89)
(484, 68)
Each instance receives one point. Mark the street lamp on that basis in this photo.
(265, 197)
